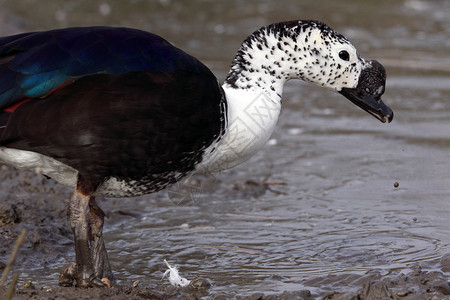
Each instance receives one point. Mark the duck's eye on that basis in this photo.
(344, 55)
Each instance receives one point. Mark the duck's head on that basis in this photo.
(311, 51)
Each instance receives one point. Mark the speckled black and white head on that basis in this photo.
(311, 51)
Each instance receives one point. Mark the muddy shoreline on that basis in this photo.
(31, 201)
(417, 284)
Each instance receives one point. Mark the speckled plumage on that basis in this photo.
(295, 49)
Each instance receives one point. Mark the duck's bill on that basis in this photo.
(367, 94)
(372, 105)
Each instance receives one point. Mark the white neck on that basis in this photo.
(252, 117)
(253, 91)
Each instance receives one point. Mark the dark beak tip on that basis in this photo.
(391, 117)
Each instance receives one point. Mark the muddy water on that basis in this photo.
(336, 210)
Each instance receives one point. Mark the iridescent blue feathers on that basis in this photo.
(34, 64)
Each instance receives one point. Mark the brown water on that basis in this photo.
(338, 212)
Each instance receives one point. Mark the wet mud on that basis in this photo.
(417, 284)
(39, 205)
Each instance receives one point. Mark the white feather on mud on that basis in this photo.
(174, 277)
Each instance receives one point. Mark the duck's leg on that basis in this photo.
(100, 260)
(82, 271)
